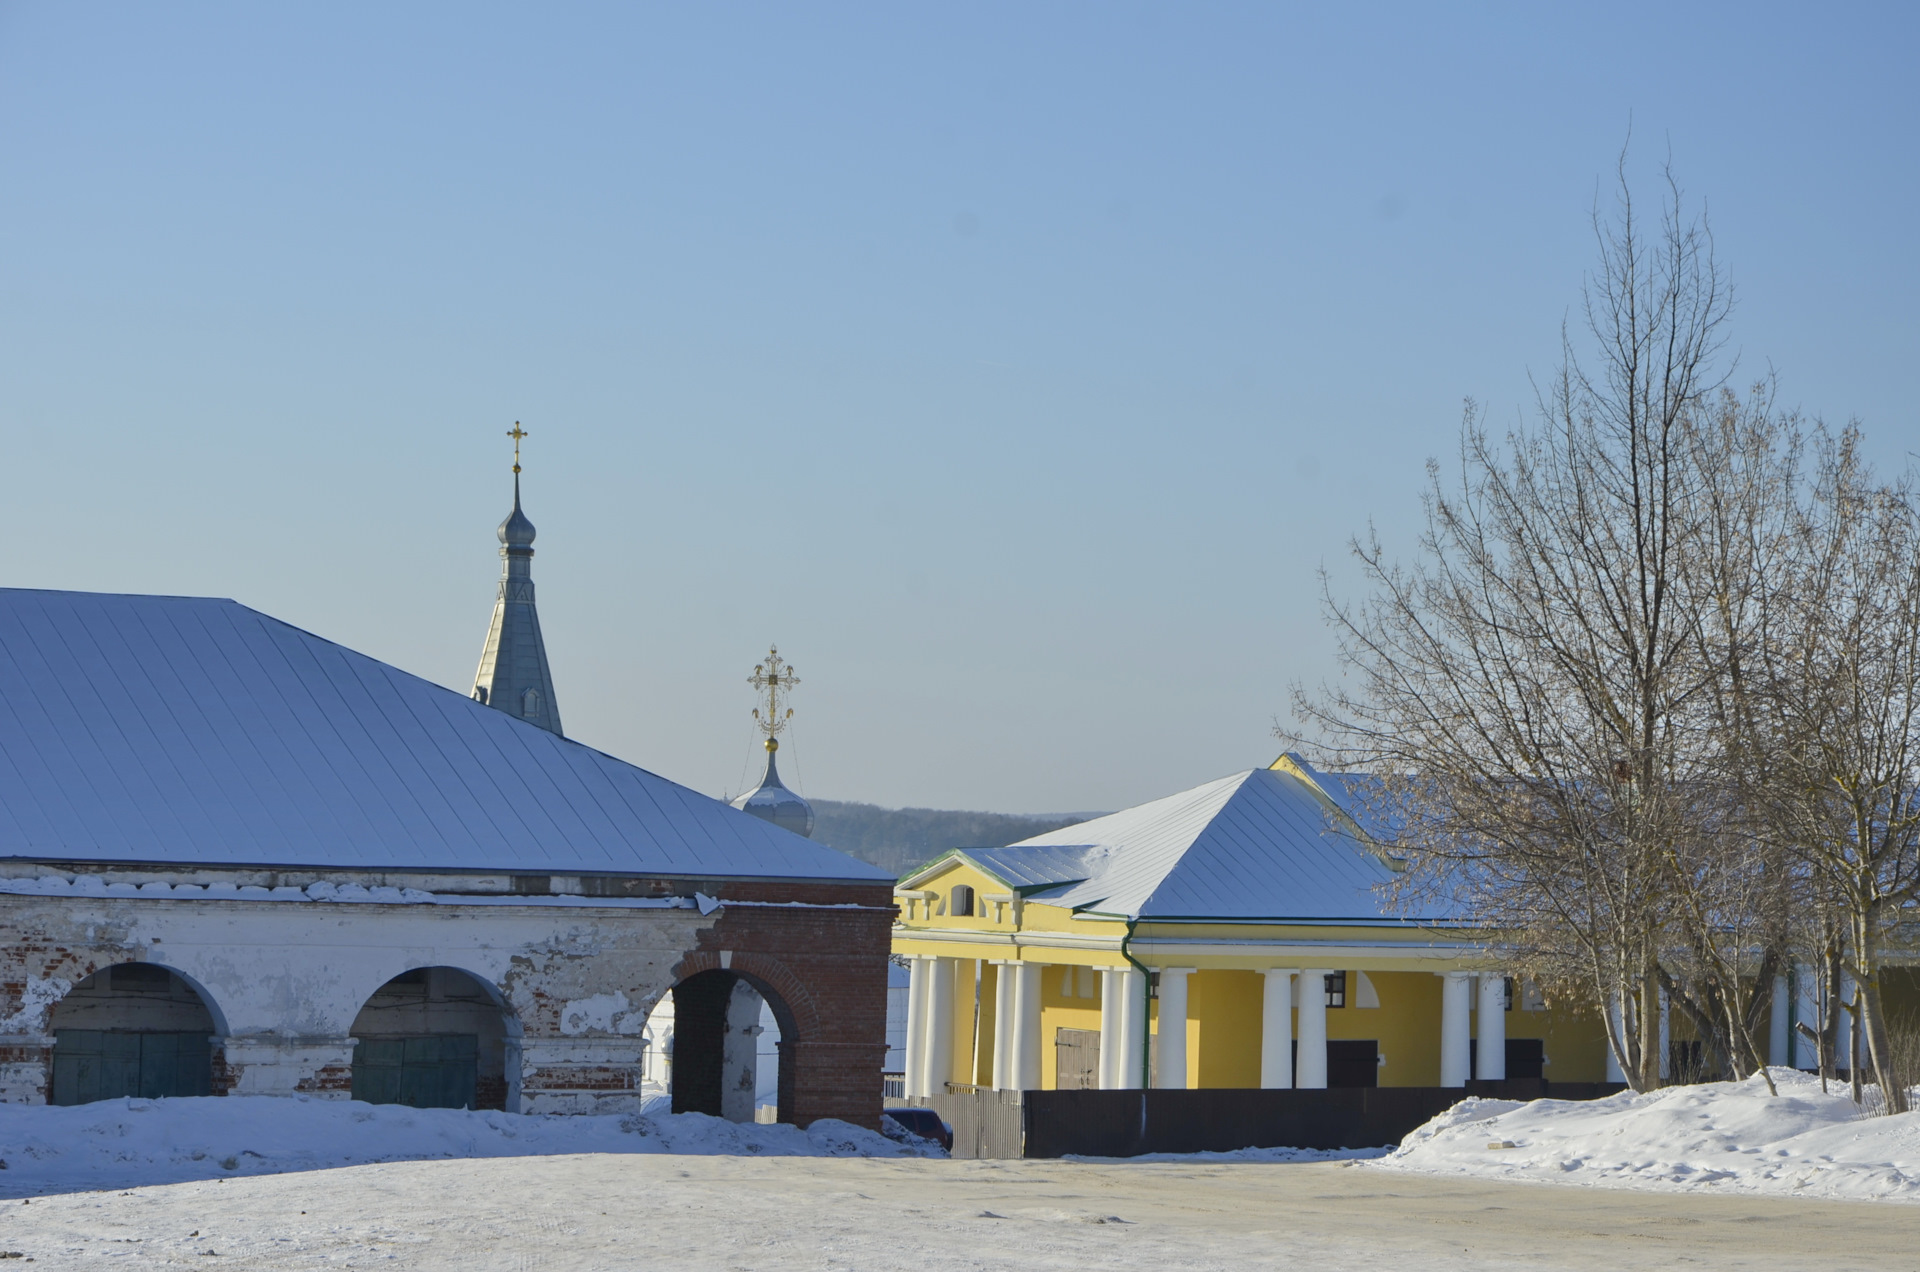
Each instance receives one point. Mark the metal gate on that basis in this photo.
(430, 1071)
(95, 1064)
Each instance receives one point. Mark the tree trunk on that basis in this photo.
(1867, 1003)
(1649, 1029)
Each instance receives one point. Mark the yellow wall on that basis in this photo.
(1223, 1028)
(1062, 1007)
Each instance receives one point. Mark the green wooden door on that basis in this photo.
(94, 1064)
(430, 1071)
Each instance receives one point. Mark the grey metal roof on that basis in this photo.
(186, 730)
(1258, 844)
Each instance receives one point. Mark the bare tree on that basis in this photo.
(1539, 693)
(1844, 793)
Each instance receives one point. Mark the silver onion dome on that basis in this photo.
(772, 801)
(516, 531)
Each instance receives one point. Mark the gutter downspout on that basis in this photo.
(1146, 997)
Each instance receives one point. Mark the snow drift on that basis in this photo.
(1721, 1137)
(130, 1142)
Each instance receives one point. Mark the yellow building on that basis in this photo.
(1232, 935)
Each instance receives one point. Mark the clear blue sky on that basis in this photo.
(1013, 366)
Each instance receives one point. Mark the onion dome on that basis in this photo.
(772, 801)
(516, 531)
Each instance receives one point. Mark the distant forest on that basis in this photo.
(899, 839)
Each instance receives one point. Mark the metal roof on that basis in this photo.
(1256, 845)
(1024, 869)
(194, 731)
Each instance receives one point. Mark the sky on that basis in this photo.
(1017, 368)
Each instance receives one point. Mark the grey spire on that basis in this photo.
(772, 801)
(513, 675)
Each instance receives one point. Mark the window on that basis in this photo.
(962, 902)
(1531, 999)
(1336, 989)
(529, 704)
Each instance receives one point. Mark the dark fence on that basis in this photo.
(1129, 1123)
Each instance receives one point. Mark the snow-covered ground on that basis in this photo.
(129, 1143)
(1728, 1137)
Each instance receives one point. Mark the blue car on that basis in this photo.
(926, 1124)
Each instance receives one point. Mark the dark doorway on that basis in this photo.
(136, 1029)
(1526, 1058)
(719, 1020)
(434, 1038)
(1353, 1064)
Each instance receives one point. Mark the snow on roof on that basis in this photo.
(185, 730)
(1258, 844)
(1024, 869)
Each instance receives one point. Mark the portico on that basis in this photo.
(1231, 936)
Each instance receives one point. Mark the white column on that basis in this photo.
(1615, 1073)
(1455, 1003)
(1171, 1071)
(1665, 1051)
(1110, 1028)
(1310, 1072)
(1276, 1029)
(1806, 1012)
(1003, 1016)
(1490, 1062)
(1026, 1032)
(1779, 1026)
(1843, 1025)
(916, 1075)
(939, 1059)
(1133, 1029)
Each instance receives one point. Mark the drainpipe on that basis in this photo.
(1146, 997)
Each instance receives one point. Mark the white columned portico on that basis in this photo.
(939, 1059)
(1026, 1026)
(1310, 1070)
(916, 1066)
(1807, 1012)
(1133, 1030)
(1455, 1004)
(1003, 1015)
(1171, 1070)
(1276, 1029)
(1490, 1058)
(1615, 1073)
(1111, 1027)
(1843, 1039)
(1779, 1026)
(1666, 1051)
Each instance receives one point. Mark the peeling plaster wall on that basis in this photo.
(284, 982)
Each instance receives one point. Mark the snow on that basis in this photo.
(1723, 1137)
(131, 1142)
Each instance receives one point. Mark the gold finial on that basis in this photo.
(777, 678)
(516, 433)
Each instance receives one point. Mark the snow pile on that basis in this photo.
(1722, 1136)
(124, 1143)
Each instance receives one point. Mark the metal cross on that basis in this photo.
(516, 434)
(778, 680)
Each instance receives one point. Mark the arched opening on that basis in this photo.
(136, 1029)
(436, 1038)
(724, 1032)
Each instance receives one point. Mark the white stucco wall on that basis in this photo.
(284, 980)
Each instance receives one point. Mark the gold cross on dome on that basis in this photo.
(777, 679)
(516, 433)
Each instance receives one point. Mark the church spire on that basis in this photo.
(513, 675)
